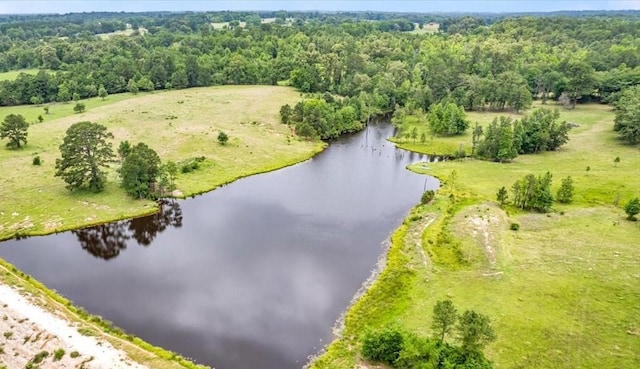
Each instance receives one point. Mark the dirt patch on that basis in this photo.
(483, 225)
(30, 333)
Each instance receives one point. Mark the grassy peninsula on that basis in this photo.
(179, 125)
(562, 291)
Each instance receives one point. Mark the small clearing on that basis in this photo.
(482, 225)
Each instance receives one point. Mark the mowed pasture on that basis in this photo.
(562, 292)
(180, 125)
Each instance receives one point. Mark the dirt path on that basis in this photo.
(28, 329)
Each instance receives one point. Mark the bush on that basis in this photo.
(223, 138)
(514, 226)
(416, 352)
(58, 354)
(632, 208)
(37, 160)
(384, 346)
(40, 357)
(427, 196)
(74, 354)
(79, 108)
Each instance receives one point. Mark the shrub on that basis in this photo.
(223, 138)
(74, 354)
(40, 356)
(37, 160)
(632, 208)
(383, 346)
(79, 108)
(416, 352)
(58, 354)
(427, 196)
(514, 226)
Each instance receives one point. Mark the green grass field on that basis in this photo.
(563, 291)
(13, 74)
(124, 32)
(179, 125)
(427, 28)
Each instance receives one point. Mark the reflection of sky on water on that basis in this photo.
(259, 270)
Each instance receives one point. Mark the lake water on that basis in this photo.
(251, 275)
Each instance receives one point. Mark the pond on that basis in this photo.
(251, 275)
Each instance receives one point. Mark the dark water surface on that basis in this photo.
(251, 275)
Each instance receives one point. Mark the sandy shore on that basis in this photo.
(27, 329)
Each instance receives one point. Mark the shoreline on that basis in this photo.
(66, 326)
(319, 148)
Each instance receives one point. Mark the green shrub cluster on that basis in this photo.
(403, 350)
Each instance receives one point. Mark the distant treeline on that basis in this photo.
(479, 62)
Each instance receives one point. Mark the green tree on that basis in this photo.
(444, 318)
(179, 79)
(414, 134)
(581, 80)
(79, 108)
(124, 149)
(632, 208)
(616, 161)
(474, 331)
(14, 127)
(222, 138)
(285, 113)
(384, 346)
(64, 94)
(85, 151)
(499, 142)
(447, 119)
(132, 86)
(168, 175)
(102, 92)
(476, 137)
(502, 195)
(565, 192)
(542, 198)
(627, 119)
(145, 84)
(427, 196)
(36, 100)
(140, 170)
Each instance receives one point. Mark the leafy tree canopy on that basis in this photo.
(14, 127)
(85, 152)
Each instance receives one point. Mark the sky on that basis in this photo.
(68, 6)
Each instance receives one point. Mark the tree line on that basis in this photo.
(493, 64)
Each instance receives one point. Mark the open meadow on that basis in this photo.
(13, 74)
(562, 291)
(180, 125)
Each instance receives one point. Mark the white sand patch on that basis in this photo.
(34, 329)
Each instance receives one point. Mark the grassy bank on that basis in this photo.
(562, 291)
(136, 349)
(179, 125)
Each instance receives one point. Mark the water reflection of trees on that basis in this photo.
(106, 241)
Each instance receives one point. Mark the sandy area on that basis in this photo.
(27, 329)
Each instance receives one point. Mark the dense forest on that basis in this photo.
(480, 63)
